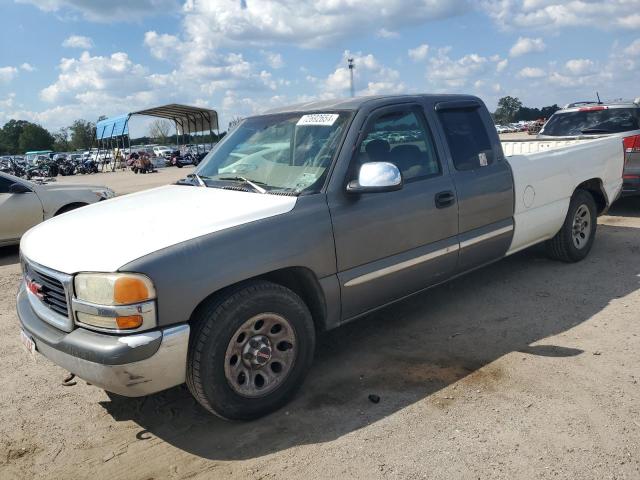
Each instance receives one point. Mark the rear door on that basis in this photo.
(391, 244)
(483, 182)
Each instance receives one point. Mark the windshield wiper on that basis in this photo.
(255, 185)
(198, 179)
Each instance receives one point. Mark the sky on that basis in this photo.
(61, 60)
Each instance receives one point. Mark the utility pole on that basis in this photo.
(351, 67)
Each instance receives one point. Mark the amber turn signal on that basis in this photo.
(129, 322)
(128, 290)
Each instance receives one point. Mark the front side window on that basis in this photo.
(467, 137)
(286, 153)
(401, 138)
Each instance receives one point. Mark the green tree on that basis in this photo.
(61, 140)
(82, 134)
(508, 107)
(10, 136)
(34, 137)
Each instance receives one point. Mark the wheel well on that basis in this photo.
(300, 280)
(70, 206)
(594, 187)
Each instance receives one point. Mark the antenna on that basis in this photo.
(599, 101)
(351, 67)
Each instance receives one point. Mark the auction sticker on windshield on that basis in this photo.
(322, 119)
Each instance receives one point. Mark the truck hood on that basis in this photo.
(105, 236)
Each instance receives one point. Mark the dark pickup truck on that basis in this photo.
(300, 220)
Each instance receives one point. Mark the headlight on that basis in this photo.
(114, 301)
(104, 193)
(113, 288)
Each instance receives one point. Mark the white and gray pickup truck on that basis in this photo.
(300, 220)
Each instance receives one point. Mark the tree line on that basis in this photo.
(511, 109)
(19, 136)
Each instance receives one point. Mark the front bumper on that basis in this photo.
(130, 365)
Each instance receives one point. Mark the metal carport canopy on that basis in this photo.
(188, 119)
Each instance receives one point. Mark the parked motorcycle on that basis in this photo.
(67, 167)
(12, 167)
(43, 168)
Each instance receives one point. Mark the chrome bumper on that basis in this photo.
(159, 369)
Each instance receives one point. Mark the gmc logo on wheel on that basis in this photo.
(34, 288)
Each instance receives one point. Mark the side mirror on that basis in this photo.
(376, 177)
(19, 188)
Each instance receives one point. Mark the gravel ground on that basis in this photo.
(527, 369)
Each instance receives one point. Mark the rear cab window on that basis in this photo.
(592, 121)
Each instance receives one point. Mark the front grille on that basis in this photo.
(52, 291)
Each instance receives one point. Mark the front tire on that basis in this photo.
(250, 350)
(574, 240)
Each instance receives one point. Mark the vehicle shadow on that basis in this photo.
(9, 255)
(408, 352)
(626, 207)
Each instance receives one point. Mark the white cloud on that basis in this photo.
(27, 67)
(304, 23)
(274, 60)
(7, 74)
(446, 73)
(419, 53)
(502, 65)
(634, 48)
(384, 33)
(580, 66)
(78, 41)
(106, 11)
(554, 14)
(531, 72)
(526, 45)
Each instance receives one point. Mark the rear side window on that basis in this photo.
(467, 137)
(586, 122)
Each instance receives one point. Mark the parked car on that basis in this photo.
(24, 204)
(161, 151)
(300, 220)
(619, 119)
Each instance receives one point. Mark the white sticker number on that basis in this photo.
(322, 119)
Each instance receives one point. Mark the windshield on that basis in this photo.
(287, 153)
(607, 120)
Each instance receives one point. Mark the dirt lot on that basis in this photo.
(525, 369)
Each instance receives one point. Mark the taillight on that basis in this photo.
(632, 144)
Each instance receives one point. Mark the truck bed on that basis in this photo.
(525, 147)
(546, 176)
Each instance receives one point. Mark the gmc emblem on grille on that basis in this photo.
(35, 288)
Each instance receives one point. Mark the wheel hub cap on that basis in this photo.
(257, 352)
(260, 355)
(581, 227)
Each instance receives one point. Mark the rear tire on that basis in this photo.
(250, 350)
(574, 240)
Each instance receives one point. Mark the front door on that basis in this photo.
(392, 244)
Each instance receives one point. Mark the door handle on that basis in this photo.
(445, 199)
